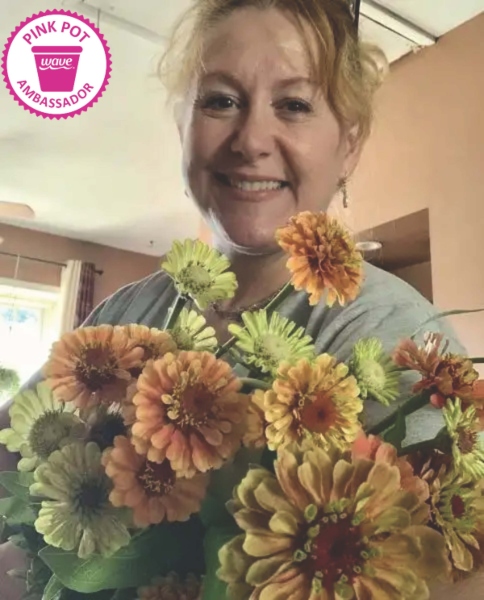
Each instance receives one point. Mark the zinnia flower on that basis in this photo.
(254, 436)
(323, 257)
(374, 448)
(171, 587)
(91, 365)
(189, 411)
(152, 490)
(39, 424)
(378, 378)
(458, 512)
(317, 400)
(463, 429)
(266, 341)
(154, 342)
(191, 332)
(200, 272)
(323, 527)
(445, 375)
(104, 424)
(77, 516)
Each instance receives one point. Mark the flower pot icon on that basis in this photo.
(57, 67)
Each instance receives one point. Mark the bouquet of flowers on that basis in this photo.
(127, 441)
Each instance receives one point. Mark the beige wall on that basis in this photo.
(419, 276)
(119, 267)
(427, 150)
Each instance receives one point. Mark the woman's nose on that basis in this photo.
(254, 135)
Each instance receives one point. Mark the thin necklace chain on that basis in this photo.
(236, 314)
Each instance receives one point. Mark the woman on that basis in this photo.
(273, 105)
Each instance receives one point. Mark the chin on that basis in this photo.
(244, 238)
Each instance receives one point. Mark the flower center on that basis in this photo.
(373, 374)
(467, 440)
(272, 349)
(106, 428)
(195, 278)
(157, 479)
(91, 496)
(458, 506)
(48, 432)
(96, 367)
(338, 552)
(320, 415)
(191, 404)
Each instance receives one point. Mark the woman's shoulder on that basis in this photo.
(144, 301)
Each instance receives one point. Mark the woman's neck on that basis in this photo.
(258, 277)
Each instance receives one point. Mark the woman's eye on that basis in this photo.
(218, 103)
(296, 106)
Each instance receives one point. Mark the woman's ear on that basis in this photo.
(353, 149)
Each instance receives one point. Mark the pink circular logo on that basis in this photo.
(56, 64)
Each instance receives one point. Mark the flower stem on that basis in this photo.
(255, 384)
(414, 404)
(174, 312)
(477, 361)
(270, 308)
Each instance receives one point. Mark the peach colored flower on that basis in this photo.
(189, 411)
(316, 400)
(374, 448)
(154, 342)
(91, 366)
(254, 436)
(171, 587)
(324, 528)
(445, 375)
(323, 257)
(152, 490)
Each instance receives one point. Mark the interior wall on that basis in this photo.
(419, 276)
(427, 151)
(120, 267)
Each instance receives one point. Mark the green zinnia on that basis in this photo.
(200, 272)
(78, 515)
(458, 510)
(378, 377)
(463, 429)
(191, 333)
(39, 424)
(266, 341)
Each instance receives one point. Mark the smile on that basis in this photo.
(246, 185)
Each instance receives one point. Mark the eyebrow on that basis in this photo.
(230, 79)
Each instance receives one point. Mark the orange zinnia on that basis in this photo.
(445, 375)
(152, 490)
(323, 257)
(154, 342)
(189, 411)
(91, 366)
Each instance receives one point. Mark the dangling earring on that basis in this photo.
(343, 186)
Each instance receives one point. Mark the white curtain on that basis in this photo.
(70, 281)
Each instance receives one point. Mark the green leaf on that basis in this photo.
(17, 483)
(16, 511)
(442, 315)
(166, 547)
(215, 538)
(398, 432)
(53, 589)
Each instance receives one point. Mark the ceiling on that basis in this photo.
(112, 175)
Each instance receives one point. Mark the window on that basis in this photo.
(28, 325)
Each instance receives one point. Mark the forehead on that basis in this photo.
(252, 43)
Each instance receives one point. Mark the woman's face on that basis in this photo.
(260, 143)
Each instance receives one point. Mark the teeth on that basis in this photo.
(256, 186)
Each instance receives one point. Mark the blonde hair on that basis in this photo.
(348, 70)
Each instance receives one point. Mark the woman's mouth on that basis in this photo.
(251, 185)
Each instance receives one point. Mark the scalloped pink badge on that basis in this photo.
(56, 64)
